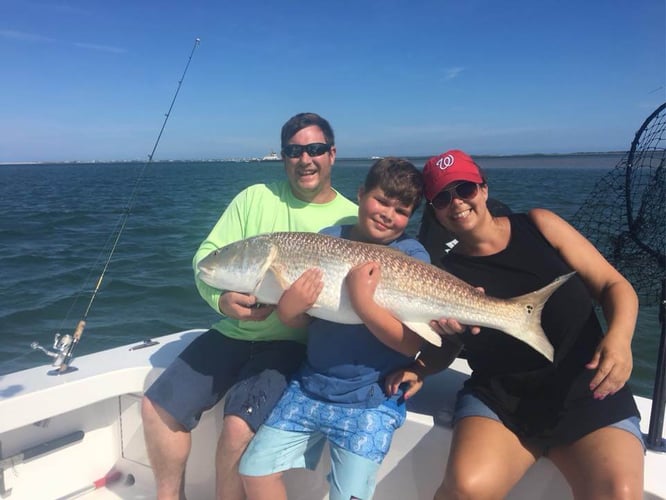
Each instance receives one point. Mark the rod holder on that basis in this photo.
(655, 440)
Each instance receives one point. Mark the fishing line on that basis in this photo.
(130, 204)
(65, 350)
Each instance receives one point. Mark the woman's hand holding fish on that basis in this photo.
(300, 297)
(449, 326)
(613, 362)
(243, 306)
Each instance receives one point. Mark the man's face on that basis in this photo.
(310, 176)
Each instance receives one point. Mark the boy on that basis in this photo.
(337, 395)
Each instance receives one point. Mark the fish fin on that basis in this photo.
(424, 330)
(533, 303)
(272, 284)
(277, 273)
(269, 290)
(268, 264)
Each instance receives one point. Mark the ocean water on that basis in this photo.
(58, 222)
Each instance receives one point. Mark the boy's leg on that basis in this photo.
(352, 476)
(359, 439)
(269, 487)
(270, 453)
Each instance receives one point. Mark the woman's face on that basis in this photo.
(466, 207)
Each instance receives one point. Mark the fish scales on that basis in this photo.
(415, 292)
(401, 275)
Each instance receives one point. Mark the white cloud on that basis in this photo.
(26, 37)
(452, 73)
(31, 37)
(103, 48)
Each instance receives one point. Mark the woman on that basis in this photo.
(577, 410)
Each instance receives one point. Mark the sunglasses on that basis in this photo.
(464, 191)
(314, 149)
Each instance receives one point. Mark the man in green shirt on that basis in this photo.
(248, 355)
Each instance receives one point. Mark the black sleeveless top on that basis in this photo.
(545, 403)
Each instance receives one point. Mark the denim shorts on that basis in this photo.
(252, 376)
(468, 405)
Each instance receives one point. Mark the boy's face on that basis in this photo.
(380, 219)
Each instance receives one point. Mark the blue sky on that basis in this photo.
(92, 80)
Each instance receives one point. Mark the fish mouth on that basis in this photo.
(204, 271)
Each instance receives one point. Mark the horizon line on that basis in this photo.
(259, 160)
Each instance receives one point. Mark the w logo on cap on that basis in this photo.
(445, 162)
(451, 166)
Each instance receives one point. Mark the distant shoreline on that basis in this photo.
(351, 158)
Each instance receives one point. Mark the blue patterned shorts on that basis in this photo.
(366, 432)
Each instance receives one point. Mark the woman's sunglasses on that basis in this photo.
(314, 149)
(464, 191)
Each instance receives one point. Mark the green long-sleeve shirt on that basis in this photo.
(265, 208)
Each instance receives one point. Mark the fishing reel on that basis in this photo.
(62, 349)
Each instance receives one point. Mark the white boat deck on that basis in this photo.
(102, 399)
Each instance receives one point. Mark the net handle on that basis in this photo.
(627, 184)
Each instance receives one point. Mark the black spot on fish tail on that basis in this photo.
(530, 330)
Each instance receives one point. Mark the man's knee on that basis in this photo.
(149, 411)
(153, 415)
(236, 434)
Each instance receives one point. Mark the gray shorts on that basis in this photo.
(252, 376)
(468, 405)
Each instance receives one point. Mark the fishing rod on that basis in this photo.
(63, 345)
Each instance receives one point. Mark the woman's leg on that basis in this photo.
(485, 461)
(607, 463)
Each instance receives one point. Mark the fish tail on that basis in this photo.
(532, 304)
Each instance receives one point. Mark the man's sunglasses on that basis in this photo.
(314, 149)
(464, 191)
